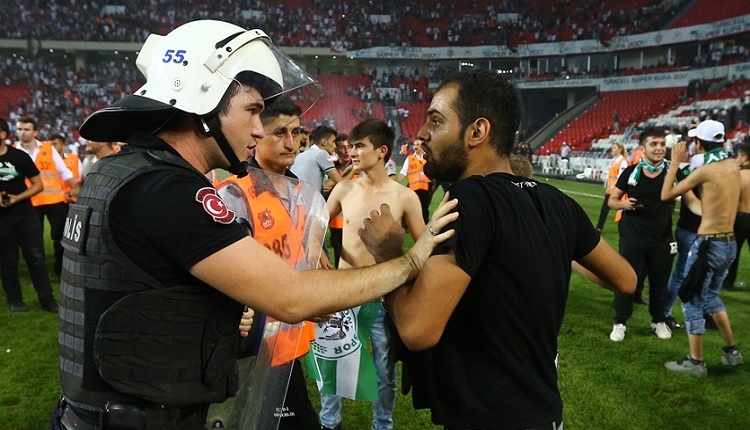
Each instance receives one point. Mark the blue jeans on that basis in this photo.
(385, 364)
(685, 239)
(721, 254)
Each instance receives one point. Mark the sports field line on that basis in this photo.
(578, 193)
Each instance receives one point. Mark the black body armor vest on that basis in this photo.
(123, 336)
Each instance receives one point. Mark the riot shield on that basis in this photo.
(264, 376)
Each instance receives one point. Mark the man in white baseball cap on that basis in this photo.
(714, 248)
(709, 131)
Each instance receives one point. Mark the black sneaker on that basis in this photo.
(18, 307)
(673, 324)
(50, 307)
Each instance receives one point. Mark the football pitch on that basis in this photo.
(605, 385)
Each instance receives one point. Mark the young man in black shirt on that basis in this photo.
(646, 239)
(18, 228)
(485, 312)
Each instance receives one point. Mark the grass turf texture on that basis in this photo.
(604, 384)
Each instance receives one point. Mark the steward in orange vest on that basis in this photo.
(415, 176)
(413, 169)
(272, 225)
(53, 190)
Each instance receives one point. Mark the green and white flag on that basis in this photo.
(339, 360)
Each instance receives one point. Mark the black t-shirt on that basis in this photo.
(654, 219)
(159, 223)
(15, 167)
(494, 368)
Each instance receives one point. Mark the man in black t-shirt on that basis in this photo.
(485, 312)
(18, 230)
(646, 239)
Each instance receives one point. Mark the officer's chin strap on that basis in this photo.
(212, 128)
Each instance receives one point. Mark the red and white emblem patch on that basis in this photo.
(266, 219)
(214, 205)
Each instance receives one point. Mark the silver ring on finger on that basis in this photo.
(432, 232)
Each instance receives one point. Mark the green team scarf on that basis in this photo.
(714, 155)
(643, 164)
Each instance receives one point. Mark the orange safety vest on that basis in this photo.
(614, 171)
(272, 227)
(71, 162)
(415, 174)
(52, 192)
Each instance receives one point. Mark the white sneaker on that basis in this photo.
(618, 332)
(662, 330)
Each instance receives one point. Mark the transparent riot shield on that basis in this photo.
(264, 376)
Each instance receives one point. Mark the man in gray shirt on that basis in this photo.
(313, 164)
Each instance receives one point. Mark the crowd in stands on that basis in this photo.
(345, 24)
(59, 96)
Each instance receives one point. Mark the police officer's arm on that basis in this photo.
(254, 276)
(608, 269)
(35, 188)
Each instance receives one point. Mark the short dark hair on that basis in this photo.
(321, 132)
(282, 105)
(377, 131)
(265, 86)
(341, 137)
(745, 150)
(487, 94)
(57, 136)
(4, 126)
(28, 120)
(708, 145)
(651, 132)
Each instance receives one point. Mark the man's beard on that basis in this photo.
(451, 165)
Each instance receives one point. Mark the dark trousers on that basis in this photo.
(741, 234)
(425, 197)
(603, 212)
(56, 216)
(302, 414)
(337, 235)
(649, 257)
(20, 229)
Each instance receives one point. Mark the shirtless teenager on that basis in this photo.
(718, 181)
(372, 143)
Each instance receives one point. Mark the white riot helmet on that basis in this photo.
(189, 70)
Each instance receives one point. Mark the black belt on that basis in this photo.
(71, 421)
(134, 417)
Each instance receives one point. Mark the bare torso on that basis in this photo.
(720, 193)
(357, 198)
